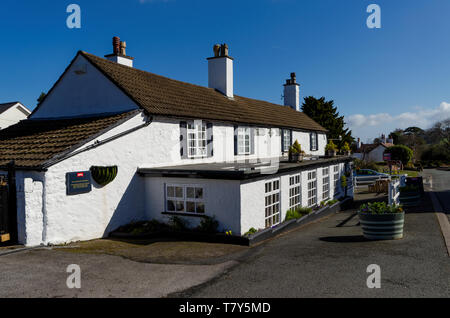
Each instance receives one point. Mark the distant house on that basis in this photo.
(12, 113)
(372, 152)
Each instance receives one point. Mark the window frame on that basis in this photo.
(295, 191)
(185, 199)
(312, 188)
(243, 132)
(326, 183)
(336, 177)
(198, 128)
(272, 217)
(287, 140)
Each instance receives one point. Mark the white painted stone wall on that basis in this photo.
(304, 140)
(222, 200)
(83, 94)
(13, 115)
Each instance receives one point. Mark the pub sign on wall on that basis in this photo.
(78, 182)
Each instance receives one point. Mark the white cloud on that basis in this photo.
(370, 126)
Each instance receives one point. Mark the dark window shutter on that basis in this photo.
(209, 140)
(310, 141)
(252, 140)
(183, 140)
(235, 140)
(290, 137)
(316, 144)
(282, 141)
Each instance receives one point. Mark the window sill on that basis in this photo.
(195, 215)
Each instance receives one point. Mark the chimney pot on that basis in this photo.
(116, 45)
(119, 53)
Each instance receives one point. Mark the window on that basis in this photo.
(272, 202)
(294, 192)
(185, 199)
(325, 183)
(313, 139)
(243, 141)
(312, 188)
(287, 142)
(336, 179)
(196, 139)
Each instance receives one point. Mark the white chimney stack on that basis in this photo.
(220, 70)
(292, 93)
(119, 53)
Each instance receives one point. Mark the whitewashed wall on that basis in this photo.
(84, 94)
(376, 154)
(303, 139)
(222, 199)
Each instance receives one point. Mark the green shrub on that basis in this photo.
(297, 213)
(331, 202)
(178, 224)
(400, 152)
(251, 231)
(330, 146)
(343, 181)
(345, 147)
(295, 148)
(143, 227)
(379, 208)
(208, 225)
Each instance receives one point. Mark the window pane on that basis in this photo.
(190, 206)
(199, 193)
(170, 192)
(200, 207)
(170, 205)
(180, 206)
(190, 192)
(179, 192)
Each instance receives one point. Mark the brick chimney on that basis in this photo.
(292, 93)
(119, 54)
(220, 70)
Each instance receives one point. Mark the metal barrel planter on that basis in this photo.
(409, 198)
(104, 175)
(387, 226)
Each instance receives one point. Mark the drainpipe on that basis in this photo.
(12, 201)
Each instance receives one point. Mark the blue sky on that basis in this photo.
(380, 79)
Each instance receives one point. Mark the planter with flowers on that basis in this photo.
(380, 221)
(346, 149)
(295, 152)
(331, 149)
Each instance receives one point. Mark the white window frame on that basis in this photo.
(326, 183)
(314, 141)
(295, 191)
(336, 178)
(244, 140)
(312, 188)
(196, 139)
(287, 142)
(272, 206)
(199, 202)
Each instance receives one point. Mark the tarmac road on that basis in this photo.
(440, 184)
(325, 260)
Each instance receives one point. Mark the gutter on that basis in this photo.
(96, 144)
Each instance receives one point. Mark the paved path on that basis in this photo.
(440, 185)
(42, 273)
(323, 260)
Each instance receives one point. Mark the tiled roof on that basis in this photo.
(30, 143)
(163, 96)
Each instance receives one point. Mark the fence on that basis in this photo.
(364, 181)
(394, 192)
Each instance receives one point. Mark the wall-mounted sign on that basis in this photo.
(78, 182)
(386, 156)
